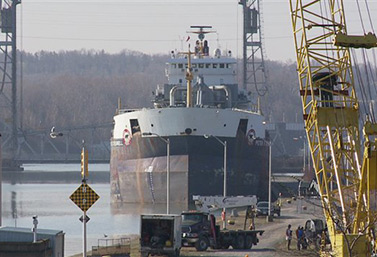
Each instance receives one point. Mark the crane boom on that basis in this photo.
(331, 115)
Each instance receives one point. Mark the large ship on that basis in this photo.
(199, 117)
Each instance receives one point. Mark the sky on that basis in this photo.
(154, 26)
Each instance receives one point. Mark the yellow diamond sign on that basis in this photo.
(84, 197)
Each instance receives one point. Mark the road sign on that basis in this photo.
(86, 218)
(84, 197)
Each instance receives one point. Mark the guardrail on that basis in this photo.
(112, 246)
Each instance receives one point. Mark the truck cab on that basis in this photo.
(199, 229)
(196, 229)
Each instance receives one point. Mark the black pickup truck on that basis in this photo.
(199, 229)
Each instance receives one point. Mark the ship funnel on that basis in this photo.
(228, 94)
(204, 96)
(173, 92)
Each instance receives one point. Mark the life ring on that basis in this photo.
(127, 137)
(251, 136)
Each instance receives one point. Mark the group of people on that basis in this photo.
(300, 235)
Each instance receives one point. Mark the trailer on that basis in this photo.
(199, 229)
(160, 234)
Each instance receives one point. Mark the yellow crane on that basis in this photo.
(347, 181)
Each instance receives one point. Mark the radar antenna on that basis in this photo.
(201, 48)
(201, 32)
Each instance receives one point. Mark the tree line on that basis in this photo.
(75, 88)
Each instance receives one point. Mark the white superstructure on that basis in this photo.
(218, 106)
(218, 70)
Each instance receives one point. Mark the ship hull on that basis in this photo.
(138, 170)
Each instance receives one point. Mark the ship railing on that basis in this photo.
(120, 111)
(182, 105)
(244, 110)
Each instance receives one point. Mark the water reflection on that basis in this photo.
(56, 211)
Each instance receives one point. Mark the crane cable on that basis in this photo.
(324, 32)
(360, 16)
(367, 68)
(360, 82)
(373, 50)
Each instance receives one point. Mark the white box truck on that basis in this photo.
(160, 234)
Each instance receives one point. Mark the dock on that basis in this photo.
(271, 243)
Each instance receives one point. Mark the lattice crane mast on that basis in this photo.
(347, 184)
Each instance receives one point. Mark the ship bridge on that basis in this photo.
(215, 71)
(219, 69)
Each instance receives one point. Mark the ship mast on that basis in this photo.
(200, 50)
(189, 78)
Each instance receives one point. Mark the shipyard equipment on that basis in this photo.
(199, 229)
(160, 234)
(347, 183)
(254, 70)
(8, 75)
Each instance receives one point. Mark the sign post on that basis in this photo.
(84, 175)
(84, 196)
(84, 235)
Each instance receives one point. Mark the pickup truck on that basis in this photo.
(262, 209)
(199, 229)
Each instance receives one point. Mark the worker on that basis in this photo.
(303, 242)
(197, 47)
(298, 237)
(160, 234)
(205, 48)
(288, 236)
(279, 201)
(326, 87)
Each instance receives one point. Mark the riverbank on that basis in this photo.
(272, 243)
(43, 177)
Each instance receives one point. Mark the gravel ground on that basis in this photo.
(272, 242)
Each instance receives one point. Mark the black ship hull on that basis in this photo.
(138, 170)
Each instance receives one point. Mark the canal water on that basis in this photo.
(56, 211)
